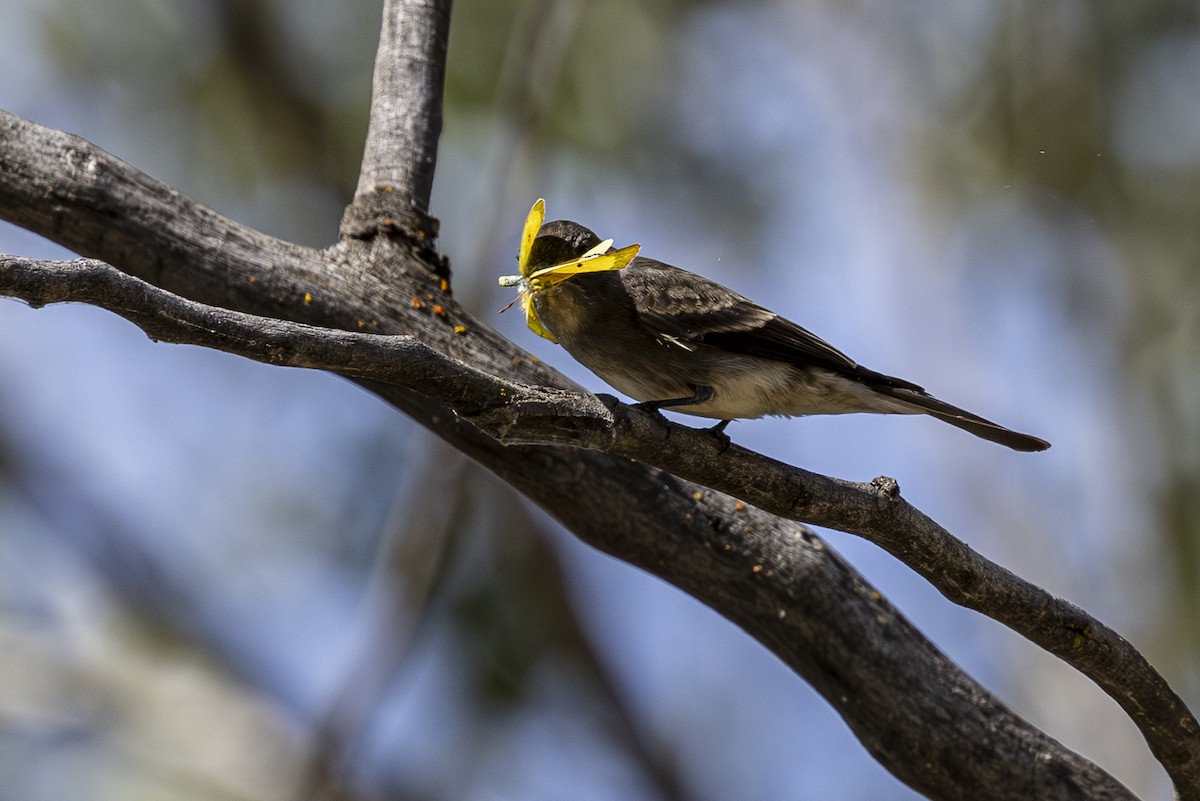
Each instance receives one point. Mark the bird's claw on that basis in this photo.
(718, 431)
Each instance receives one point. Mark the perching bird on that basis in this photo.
(670, 338)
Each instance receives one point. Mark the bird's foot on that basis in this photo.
(718, 431)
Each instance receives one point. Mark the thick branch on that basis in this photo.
(515, 411)
(76, 194)
(72, 192)
(406, 120)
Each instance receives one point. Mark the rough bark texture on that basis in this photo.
(406, 119)
(184, 273)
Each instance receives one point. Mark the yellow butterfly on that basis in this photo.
(531, 281)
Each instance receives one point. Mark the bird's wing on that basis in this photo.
(685, 305)
(691, 308)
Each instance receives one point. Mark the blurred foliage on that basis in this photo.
(269, 96)
(99, 700)
(1066, 107)
(601, 68)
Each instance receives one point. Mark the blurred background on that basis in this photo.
(221, 580)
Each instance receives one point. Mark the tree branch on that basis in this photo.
(517, 412)
(76, 194)
(402, 360)
(406, 120)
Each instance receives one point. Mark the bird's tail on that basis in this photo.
(965, 420)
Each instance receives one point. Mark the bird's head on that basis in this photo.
(560, 241)
(551, 253)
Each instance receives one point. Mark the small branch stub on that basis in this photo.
(887, 485)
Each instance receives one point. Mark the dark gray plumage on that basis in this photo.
(670, 338)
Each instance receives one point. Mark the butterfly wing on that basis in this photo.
(594, 261)
(533, 224)
(533, 321)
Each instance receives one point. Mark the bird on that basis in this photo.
(672, 339)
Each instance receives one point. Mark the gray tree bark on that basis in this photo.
(718, 521)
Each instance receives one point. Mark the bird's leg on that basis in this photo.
(700, 394)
